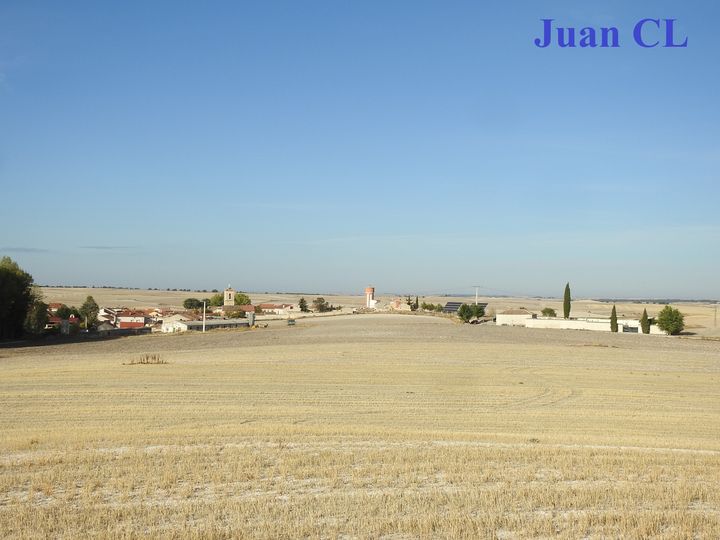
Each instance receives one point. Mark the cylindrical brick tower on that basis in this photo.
(370, 297)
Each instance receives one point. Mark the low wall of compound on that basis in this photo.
(512, 320)
(570, 324)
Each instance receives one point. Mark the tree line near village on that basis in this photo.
(24, 313)
(319, 305)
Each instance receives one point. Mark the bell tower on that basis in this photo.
(229, 297)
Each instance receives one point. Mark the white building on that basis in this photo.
(513, 317)
(211, 324)
(169, 322)
(279, 309)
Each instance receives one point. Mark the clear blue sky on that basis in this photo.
(324, 146)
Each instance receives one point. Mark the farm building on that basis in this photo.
(513, 317)
(108, 314)
(278, 309)
(131, 319)
(521, 317)
(398, 304)
(627, 326)
(210, 324)
(56, 322)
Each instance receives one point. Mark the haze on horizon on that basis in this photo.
(321, 147)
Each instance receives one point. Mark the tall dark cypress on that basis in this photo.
(645, 322)
(566, 302)
(613, 320)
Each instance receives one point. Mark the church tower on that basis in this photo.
(229, 298)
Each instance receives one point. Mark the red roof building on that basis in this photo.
(131, 319)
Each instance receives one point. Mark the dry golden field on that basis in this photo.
(366, 426)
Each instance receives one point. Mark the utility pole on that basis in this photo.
(203, 315)
(476, 293)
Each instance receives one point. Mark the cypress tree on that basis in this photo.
(645, 322)
(613, 320)
(566, 302)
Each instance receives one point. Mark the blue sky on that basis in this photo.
(324, 146)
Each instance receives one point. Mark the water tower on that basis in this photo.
(370, 297)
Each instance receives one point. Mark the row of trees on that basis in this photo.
(425, 306)
(216, 300)
(669, 320)
(319, 305)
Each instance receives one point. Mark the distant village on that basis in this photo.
(232, 309)
(127, 321)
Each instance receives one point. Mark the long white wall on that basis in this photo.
(597, 325)
(512, 320)
(570, 324)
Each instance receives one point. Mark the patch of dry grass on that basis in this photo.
(410, 429)
(147, 359)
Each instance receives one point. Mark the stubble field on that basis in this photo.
(363, 426)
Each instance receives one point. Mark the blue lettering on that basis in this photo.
(547, 34)
(669, 37)
(638, 33)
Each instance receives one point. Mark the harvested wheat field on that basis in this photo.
(366, 426)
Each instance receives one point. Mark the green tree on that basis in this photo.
(613, 320)
(89, 311)
(216, 300)
(548, 312)
(15, 298)
(438, 308)
(303, 305)
(242, 299)
(321, 306)
(63, 312)
(465, 313)
(566, 302)
(478, 311)
(670, 320)
(416, 305)
(192, 303)
(645, 322)
(37, 317)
